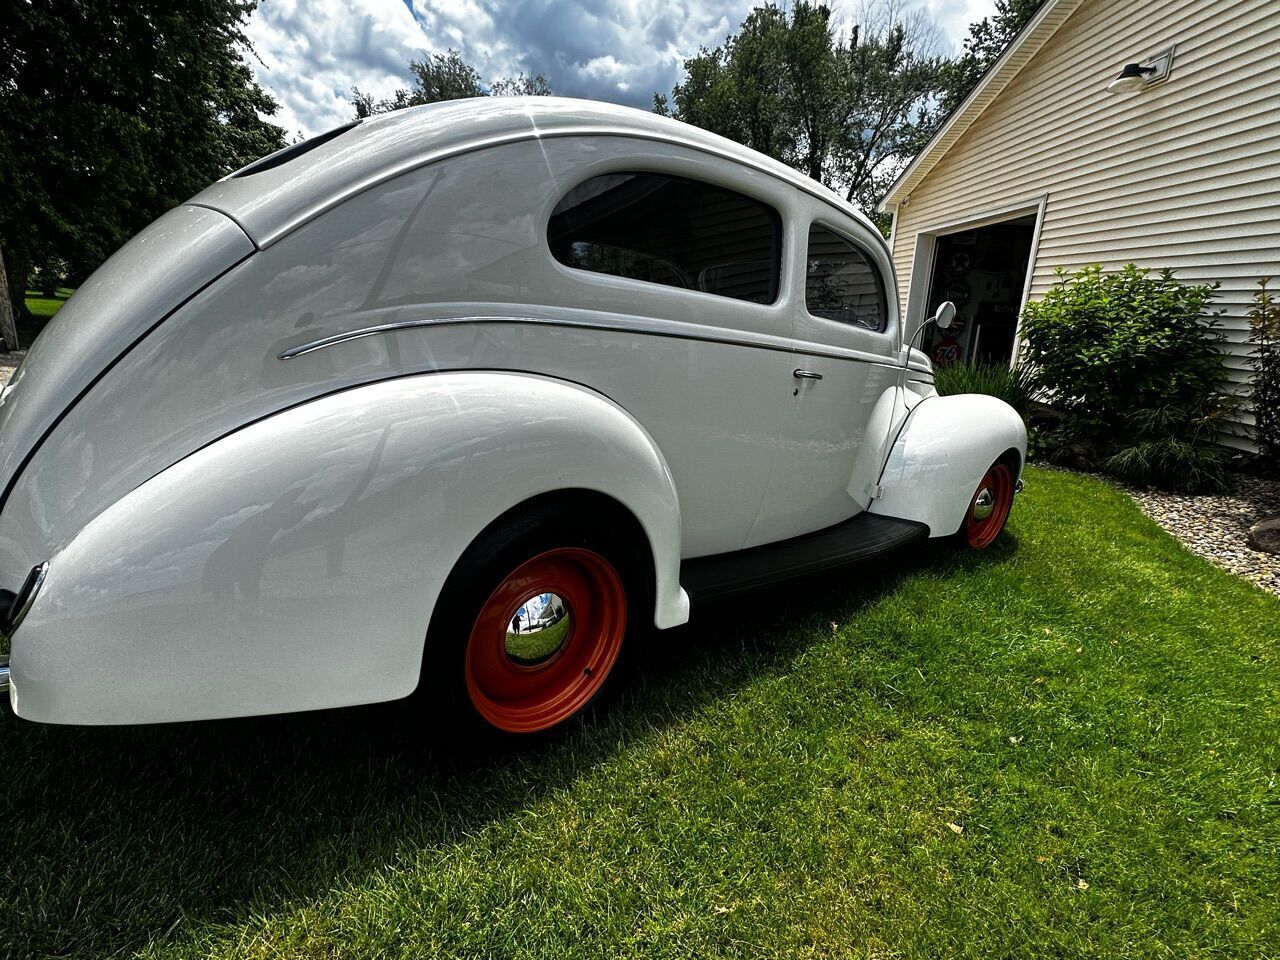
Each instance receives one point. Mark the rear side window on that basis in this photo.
(841, 283)
(672, 231)
(293, 151)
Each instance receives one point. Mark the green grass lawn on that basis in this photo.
(42, 309)
(1067, 746)
(539, 644)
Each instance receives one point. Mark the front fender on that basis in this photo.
(940, 456)
(294, 564)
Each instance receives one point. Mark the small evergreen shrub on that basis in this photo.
(1132, 362)
(1264, 324)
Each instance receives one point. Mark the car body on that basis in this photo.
(242, 463)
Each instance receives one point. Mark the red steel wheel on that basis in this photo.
(989, 508)
(521, 688)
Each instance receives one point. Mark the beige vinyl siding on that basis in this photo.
(1184, 175)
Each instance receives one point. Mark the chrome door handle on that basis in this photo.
(806, 375)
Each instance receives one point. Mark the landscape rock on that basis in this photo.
(1265, 536)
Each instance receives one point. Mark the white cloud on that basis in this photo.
(313, 52)
(954, 16)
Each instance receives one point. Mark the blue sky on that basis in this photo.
(312, 51)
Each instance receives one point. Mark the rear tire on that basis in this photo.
(485, 677)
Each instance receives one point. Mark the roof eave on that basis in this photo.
(1007, 66)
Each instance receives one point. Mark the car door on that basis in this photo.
(677, 272)
(845, 382)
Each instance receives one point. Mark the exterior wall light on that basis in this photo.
(1138, 76)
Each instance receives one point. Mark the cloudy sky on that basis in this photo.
(313, 51)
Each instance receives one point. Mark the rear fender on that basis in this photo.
(294, 564)
(941, 454)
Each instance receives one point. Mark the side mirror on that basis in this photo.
(945, 318)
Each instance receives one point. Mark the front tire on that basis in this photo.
(530, 628)
(989, 508)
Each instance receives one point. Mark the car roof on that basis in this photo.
(275, 195)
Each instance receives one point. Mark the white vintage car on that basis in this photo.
(465, 396)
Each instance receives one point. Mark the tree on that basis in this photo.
(893, 75)
(986, 41)
(847, 109)
(8, 325)
(113, 112)
(446, 76)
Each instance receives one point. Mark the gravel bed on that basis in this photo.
(9, 363)
(1216, 526)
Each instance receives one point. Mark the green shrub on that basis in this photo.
(1131, 361)
(1264, 324)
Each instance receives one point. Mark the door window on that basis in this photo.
(842, 283)
(671, 231)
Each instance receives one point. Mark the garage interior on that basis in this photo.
(983, 272)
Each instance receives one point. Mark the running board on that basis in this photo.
(861, 538)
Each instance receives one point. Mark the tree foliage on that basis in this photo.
(446, 76)
(112, 112)
(986, 41)
(845, 106)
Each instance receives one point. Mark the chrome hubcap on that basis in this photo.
(538, 630)
(983, 504)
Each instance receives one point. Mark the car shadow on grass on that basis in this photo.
(118, 837)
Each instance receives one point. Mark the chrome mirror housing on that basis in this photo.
(945, 318)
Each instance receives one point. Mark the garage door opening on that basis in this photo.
(982, 271)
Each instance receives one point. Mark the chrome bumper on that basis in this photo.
(4, 674)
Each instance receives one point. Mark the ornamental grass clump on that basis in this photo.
(1131, 360)
(1014, 385)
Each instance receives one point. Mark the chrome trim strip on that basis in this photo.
(323, 342)
(28, 597)
(4, 674)
(759, 341)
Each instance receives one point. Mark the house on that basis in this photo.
(1051, 163)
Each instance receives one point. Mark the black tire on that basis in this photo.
(444, 702)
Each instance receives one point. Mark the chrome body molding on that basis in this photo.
(27, 595)
(675, 331)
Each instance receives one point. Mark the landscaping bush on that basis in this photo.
(1264, 323)
(1131, 361)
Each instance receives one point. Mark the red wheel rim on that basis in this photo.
(981, 525)
(519, 697)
